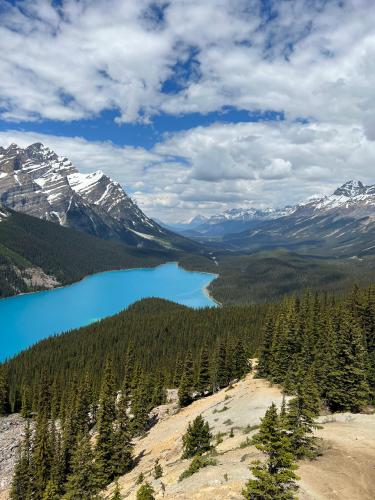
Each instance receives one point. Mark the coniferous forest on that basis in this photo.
(104, 379)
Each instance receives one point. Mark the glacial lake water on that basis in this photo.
(26, 319)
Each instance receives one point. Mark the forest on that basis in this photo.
(70, 255)
(109, 375)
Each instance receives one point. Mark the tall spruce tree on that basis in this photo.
(41, 450)
(204, 375)
(274, 479)
(84, 481)
(348, 388)
(300, 419)
(123, 448)
(4, 393)
(105, 442)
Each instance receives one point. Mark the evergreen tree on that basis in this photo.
(105, 442)
(275, 479)
(140, 405)
(41, 450)
(158, 394)
(222, 367)
(158, 470)
(26, 402)
(146, 492)
(4, 393)
(123, 448)
(204, 375)
(21, 484)
(197, 439)
(301, 419)
(348, 390)
(184, 392)
(242, 364)
(265, 355)
(83, 483)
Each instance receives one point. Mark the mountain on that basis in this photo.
(230, 221)
(37, 181)
(340, 224)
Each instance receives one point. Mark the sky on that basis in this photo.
(195, 106)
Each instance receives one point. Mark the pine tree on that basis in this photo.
(184, 392)
(41, 450)
(105, 442)
(158, 470)
(26, 402)
(55, 485)
(301, 419)
(83, 407)
(21, 484)
(242, 364)
(275, 479)
(82, 483)
(4, 393)
(123, 448)
(146, 492)
(158, 394)
(140, 406)
(204, 375)
(222, 366)
(348, 388)
(265, 355)
(197, 439)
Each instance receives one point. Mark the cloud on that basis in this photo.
(277, 169)
(208, 169)
(309, 59)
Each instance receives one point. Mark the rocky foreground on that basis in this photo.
(346, 471)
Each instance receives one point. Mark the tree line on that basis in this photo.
(329, 339)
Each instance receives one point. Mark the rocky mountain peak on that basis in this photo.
(350, 188)
(37, 181)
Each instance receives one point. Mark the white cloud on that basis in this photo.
(313, 59)
(247, 164)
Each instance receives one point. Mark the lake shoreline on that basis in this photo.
(31, 317)
(67, 285)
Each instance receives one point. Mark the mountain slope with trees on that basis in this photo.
(30, 246)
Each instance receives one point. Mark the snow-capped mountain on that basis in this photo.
(352, 197)
(37, 181)
(342, 223)
(230, 221)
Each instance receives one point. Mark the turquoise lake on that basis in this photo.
(26, 319)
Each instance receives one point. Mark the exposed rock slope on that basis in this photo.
(350, 443)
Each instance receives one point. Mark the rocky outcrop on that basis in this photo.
(11, 431)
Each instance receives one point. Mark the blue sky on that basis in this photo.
(195, 106)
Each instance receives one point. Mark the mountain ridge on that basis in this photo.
(36, 181)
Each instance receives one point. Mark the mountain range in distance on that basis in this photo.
(340, 224)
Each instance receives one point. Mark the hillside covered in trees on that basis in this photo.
(105, 378)
(67, 255)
